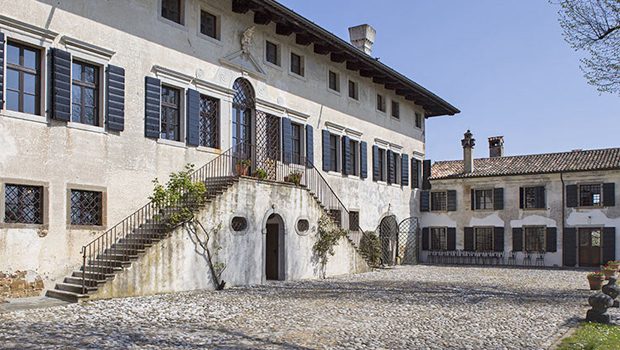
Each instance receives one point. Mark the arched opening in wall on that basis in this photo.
(388, 234)
(274, 248)
(243, 122)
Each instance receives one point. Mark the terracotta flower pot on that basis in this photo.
(596, 282)
(615, 266)
(609, 273)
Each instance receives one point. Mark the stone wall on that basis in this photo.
(20, 284)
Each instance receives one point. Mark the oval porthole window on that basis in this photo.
(303, 225)
(239, 223)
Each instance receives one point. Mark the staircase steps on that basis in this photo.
(67, 296)
(74, 287)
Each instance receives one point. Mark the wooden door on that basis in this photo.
(590, 246)
(272, 252)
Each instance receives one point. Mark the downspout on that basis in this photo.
(563, 213)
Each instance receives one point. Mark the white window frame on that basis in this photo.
(182, 16)
(302, 57)
(357, 90)
(338, 82)
(218, 25)
(277, 66)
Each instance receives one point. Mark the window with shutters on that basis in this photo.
(380, 103)
(334, 151)
(354, 151)
(354, 221)
(23, 204)
(23, 78)
(86, 208)
(209, 24)
(483, 239)
(590, 195)
(534, 238)
(439, 201)
(209, 122)
(415, 173)
(85, 93)
(272, 53)
(353, 90)
(483, 199)
(170, 113)
(297, 64)
(533, 197)
(395, 109)
(297, 142)
(418, 120)
(381, 161)
(172, 10)
(396, 167)
(333, 81)
(439, 238)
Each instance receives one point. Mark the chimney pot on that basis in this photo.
(362, 37)
(496, 146)
(468, 152)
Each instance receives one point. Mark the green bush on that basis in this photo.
(370, 245)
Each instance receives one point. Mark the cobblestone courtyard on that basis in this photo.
(402, 308)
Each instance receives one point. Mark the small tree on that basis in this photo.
(328, 235)
(370, 245)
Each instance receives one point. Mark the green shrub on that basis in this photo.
(370, 245)
(328, 235)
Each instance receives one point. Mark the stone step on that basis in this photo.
(112, 254)
(75, 288)
(103, 261)
(78, 281)
(67, 296)
(101, 269)
(89, 275)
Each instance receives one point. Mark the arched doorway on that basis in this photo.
(388, 234)
(243, 118)
(274, 248)
(408, 241)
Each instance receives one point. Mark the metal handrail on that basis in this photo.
(115, 247)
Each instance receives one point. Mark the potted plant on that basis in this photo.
(614, 263)
(596, 280)
(260, 174)
(293, 177)
(608, 271)
(242, 166)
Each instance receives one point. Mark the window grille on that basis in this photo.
(239, 223)
(535, 238)
(484, 199)
(484, 239)
(335, 215)
(439, 239)
(244, 94)
(354, 221)
(590, 195)
(209, 125)
(439, 201)
(86, 208)
(23, 204)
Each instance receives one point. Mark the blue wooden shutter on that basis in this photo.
(425, 238)
(572, 198)
(415, 173)
(425, 198)
(375, 163)
(116, 98)
(287, 140)
(426, 184)
(552, 239)
(451, 238)
(498, 241)
(468, 239)
(326, 145)
(451, 200)
(609, 194)
(609, 244)
(498, 199)
(390, 165)
(309, 145)
(346, 155)
(193, 117)
(1, 70)
(61, 85)
(363, 160)
(404, 167)
(152, 107)
(517, 239)
(569, 246)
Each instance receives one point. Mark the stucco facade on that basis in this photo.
(117, 159)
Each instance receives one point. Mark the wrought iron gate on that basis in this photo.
(399, 242)
(408, 241)
(388, 235)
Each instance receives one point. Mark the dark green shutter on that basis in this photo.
(116, 98)
(451, 200)
(572, 199)
(425, 238)
(363, 160)
(552, 239)
(498, 240)
(569, 246)
(1, 70)
(425, 197)
(498, 199)
(517, 239)
(287, 140)
(426, 184)
(451, 238)
(521, 197)
(609, 244)
(468, 239)
(404, 167)
(309, 144)
(540, 197)
(152, 107)
(346, 155)
(61, 85)
(390, 165)
(609, 194)
(375, 163)
(472, 193)
(193, 117)
(415, 173)
(326, 145)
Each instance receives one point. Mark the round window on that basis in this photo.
(303, 225)
(239, 223)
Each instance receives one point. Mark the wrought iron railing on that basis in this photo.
(122, 242)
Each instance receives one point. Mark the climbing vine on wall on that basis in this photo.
(328, 235)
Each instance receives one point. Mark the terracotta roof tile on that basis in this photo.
(588, 160)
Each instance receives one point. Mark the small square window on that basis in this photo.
(395, 109)
(439, 201)
(439, 239)
(380, 103)
(272, 54)
(353, 93)
(535, 238)
(334, 81)
(354, 221)
(418, 120)
(86, 208)
(23, 204)
(590, 196)
(171, 9)
(208, 24)
(483, 199)
(484, 239)
(297, 64)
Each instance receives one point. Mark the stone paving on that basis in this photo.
(402, 308)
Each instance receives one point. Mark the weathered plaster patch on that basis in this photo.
(437, 219)
(491, 220)
(533, 220)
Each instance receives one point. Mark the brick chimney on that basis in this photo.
(468, 152)
(496, 146)
(362, 37)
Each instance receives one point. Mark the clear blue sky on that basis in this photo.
(503, 63)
